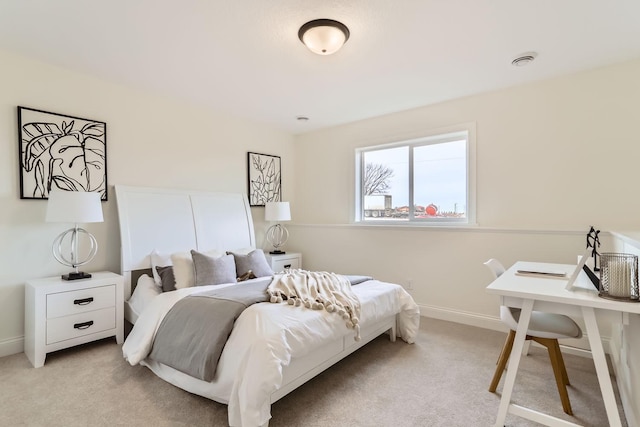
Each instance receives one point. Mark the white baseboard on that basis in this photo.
(577, 347)
(11, 346)
(466, 318)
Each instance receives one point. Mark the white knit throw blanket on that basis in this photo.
(318, 290)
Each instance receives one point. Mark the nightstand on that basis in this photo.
(64, 313)
(281, 262)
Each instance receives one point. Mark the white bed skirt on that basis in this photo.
(275, 348)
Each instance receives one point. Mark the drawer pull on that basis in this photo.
(83, 301)
(287, 266)
(83, 325)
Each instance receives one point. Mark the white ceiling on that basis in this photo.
(244, 56)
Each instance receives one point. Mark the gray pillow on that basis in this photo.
(167, 279)
(213, 271)
(254, 261)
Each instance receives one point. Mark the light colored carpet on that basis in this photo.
(441, 380)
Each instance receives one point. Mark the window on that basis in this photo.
(428, 180)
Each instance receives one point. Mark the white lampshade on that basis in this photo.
(323, 36)
(277, 211)
(74, 207)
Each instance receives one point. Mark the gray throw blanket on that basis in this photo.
(193, 333)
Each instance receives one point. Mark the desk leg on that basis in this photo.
(602, 369)
(514, 361)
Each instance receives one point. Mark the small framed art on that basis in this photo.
(60, 152)
(264, 180)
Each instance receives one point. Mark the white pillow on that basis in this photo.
(144, 292)
(183, 269)
(243, 251)
(159, 260)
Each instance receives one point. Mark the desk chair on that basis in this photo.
(545, 329)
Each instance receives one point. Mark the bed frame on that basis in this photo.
(180, 220)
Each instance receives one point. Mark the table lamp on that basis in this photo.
(277, 234)
(74, 207)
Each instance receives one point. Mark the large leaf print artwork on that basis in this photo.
(61, 152)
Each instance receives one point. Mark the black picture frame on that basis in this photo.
(264, 183)
(59, 151)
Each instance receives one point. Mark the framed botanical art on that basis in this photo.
(60, 152)
(264, 181)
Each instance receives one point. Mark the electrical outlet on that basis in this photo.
(409, 285)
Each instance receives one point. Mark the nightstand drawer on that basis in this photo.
(81, 324)
(80, 301)
(281, 264)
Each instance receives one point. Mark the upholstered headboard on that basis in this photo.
(176, 221)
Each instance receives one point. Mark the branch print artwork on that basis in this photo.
(264, 179)
(61, 152)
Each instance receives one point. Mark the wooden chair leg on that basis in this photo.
(502, 350)
(502, 361)
(557, 363)
(565, 377)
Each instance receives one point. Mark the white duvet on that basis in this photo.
(264, 339)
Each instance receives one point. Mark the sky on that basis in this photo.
(439, 174)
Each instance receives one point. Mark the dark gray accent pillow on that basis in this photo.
(355, 280)
(167, 279)
(213, 271)
(254, 261)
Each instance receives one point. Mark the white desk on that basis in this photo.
(550, 295)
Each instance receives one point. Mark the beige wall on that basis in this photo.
(551, 155)
(151, 141)
(553, 158)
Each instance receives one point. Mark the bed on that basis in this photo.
(273, 348)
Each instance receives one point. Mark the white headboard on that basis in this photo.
(178, 221)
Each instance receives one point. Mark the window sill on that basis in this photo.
(471, 228)
(415, 224)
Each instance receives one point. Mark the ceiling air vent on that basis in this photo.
(524, 59)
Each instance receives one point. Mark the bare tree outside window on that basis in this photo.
(376, 178)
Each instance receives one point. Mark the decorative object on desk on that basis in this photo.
(595, 279)
(75, 207)
(619, 276)
(59, 151)
(582, 261)
(277, 234)
(593, 241)
(263, 179)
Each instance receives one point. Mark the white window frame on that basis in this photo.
(466, 131)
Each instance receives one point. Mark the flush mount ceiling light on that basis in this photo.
(524, 59)
(323, 36)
